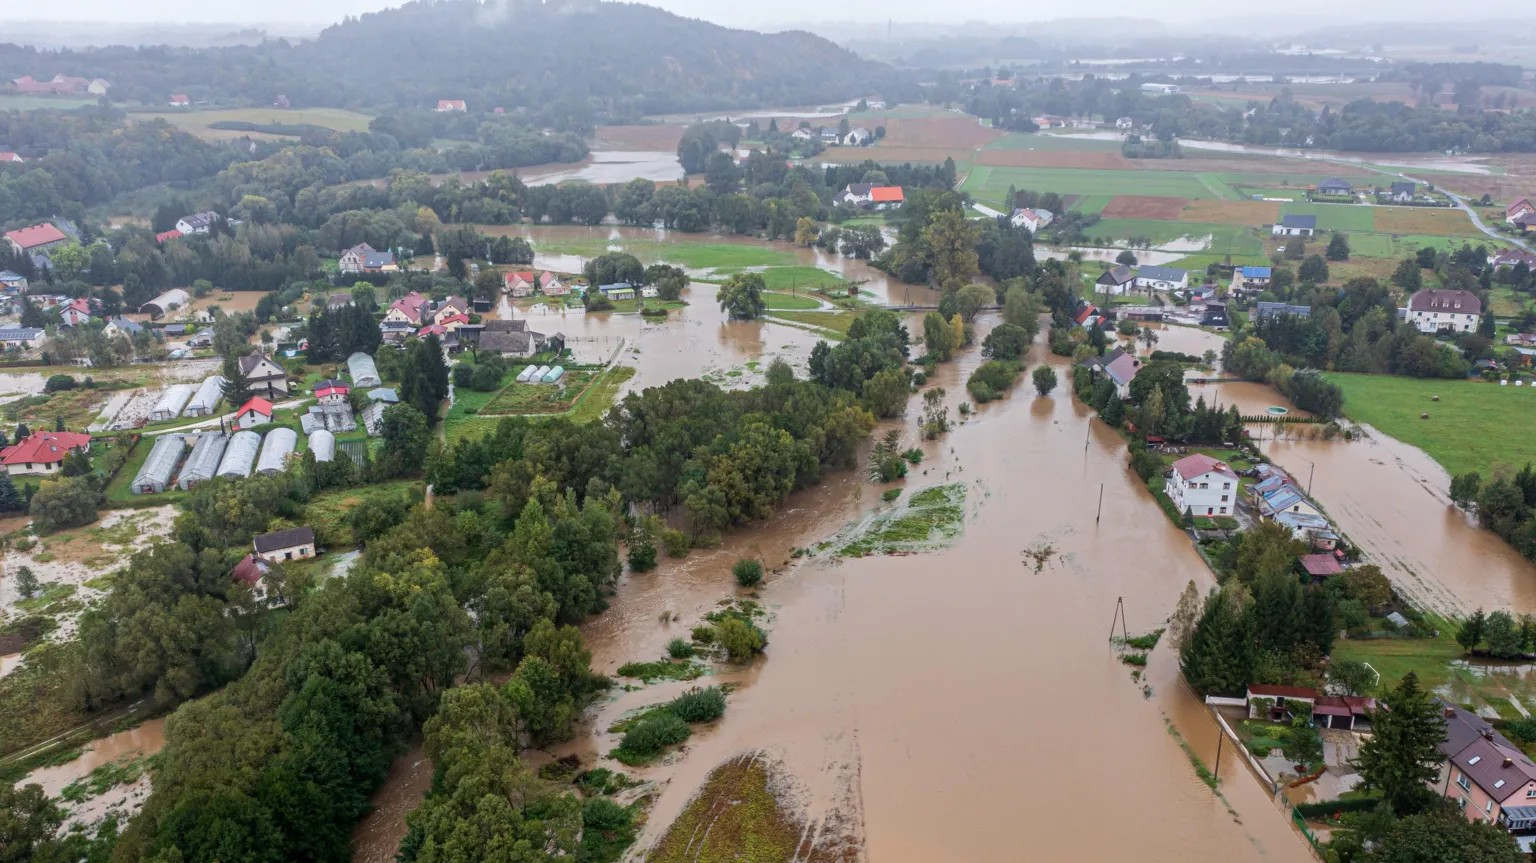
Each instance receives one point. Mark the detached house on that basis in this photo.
(332, 392)
(1118, 367)
(446, 105)
(453, 307)
(1503, 258)
(1522, 207)
(1335, 186)
(42, 452)
(197, 223)
(1033, 219)
(1295, 226)
(1202, 485)
(266, 376)
(1251, 279)
(1488, 777)
(295, 543)
(409, 309)
(1162, 279)
(8, 157)
(363, 258)
(1115, 280)
(520, 283)
(76, 313)
(551, 286)
(36, 239)
(257, 411)
(13, 282)
(1402, 192)
(858, 137)
(872, 197)
(1434, 310)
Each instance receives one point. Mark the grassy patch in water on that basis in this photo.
(736, 817)
(929, 520)
(662, 669)
(105, 778)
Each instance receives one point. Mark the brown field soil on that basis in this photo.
(954, 133)
(648, 137)
(1450, 222)
(1096, 160)
(1143, 207)
(1231, 212)
(892, 155)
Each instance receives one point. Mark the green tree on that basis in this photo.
(1114, 412)
(1219, 657)
(938, 336)
(1502, 634)
(1402, 755)
(1006, 342)
(1356, 678)
(971, 299)
(740, 639)
(1408, 276)
(1020, 309)
(236, 388)
(1445, 837)
(63, 503)
(1338, 247)
(405, 440)
(748, 572)
(887, 392)
(741, 297)
(1045, 379)
(28, 822)
(951, 240)
(1314, 269)
(1127, 258)
(26, 582)
(10, 499)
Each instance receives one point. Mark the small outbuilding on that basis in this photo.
(156, 473)
(175, 298)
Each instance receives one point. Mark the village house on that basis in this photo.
(1117, 367)
(1434, 310)
(295, 543)
(1202, 485)
(550, 285)
(21, 337)
(36, 239)
(60, 85)
(1319, 566)
(1251, 279)
(1277, 494)
(617, 291)
(1284, 703)
(1522, 207)
(179, 100)
(257, 411)
(858, 137)
(1401, 192)
(1033, 219)
(198, 223)
(1125, 124)
(872, 197)
(42, 453)
(520, 283)
(363, 258)
(332, 392)
(1295, 226)
(446, 105)
(1162, 279)
(514, 339)
(76, 313)
(13, 282)
(166, 236)
(1264, 310)
(1335, 186)
(122, 326)
(802, 134)
(203, 338)
(249, 571)
(1487, 776)
(1115, 280)
(451, 308)
(265, 375)
(409, 309)
(1511, 257)
(7, 157)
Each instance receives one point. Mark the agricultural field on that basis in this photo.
(990, 184)
(1335, 217)
(1448, 221)
(197, 122)
(14, 102)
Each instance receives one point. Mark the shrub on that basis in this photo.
(654, 733)
(642, 554)
(679, 649)
(913, 455)
(57, 383)
(890, 494)
(991, 379)
(740, 639)
(748, 572)
(699, 705)
(675, 542)
(919, 379)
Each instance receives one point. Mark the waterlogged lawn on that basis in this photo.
(1474, 426)
(790, 302)
(835, 322)
(736, 817)
(930, 519)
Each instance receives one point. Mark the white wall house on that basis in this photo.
(1162, 279)
(1434, 310)
(1203, 486)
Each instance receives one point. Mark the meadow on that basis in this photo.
(198, 123)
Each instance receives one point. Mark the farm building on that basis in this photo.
(364, 372)
(553, 375)
(240, 455)
(156, 473)
(160, 305)
(279, 444)
(171, 402)
(323, 444)
(335, 418)
(209, 393)
(203, 463)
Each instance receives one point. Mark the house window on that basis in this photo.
(1530, 793)
(1463, 782)
(1224, 498)
(287, 555)
(1225, 486)
(1488, 807)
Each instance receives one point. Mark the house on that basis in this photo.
(1335, 186)
(179, 100)
(1402, 192)
(871, 197)
(363, 258)
(828, 135)
(36, 239)
(198, 223)
(1086, 315)
(513, 339)
(453, 307)
(166, 236)
(1162, 279)
(1294, 226)
(1114, 280)
(1311, 529)
(1433, 310)
(1125, 124)
(446, 105)
(1487, 776)
(21, 336)
(295, 543)
(1264, 310)
(520, 283)
(1319, 566)
(551, 286)
(1033, 219)
(76, 313)
(1503, 258)
(1285, 498)
(1278, 703)
(249, 570)
(265, 375)
(395, 332)
(802, 134)
(1161, 89)
(1118, 367)
(1202, 485)
(409, 309)
(858, 137)
(59, 85)
(332, 392)
(257, 411)
(1251, 279)
(1522, 207)
(7, 157)
(618, 291)
(14, 282)
(42, 452)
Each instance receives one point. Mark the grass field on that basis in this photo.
(1473, 427)
(1449, 221)
(790, 302)
(1364, 245)
(327, 511)
(1065, 143)
(13, 102)
(690, 255)
(837, 322)
(1224, 239)
(1335, 217)
(990, 184)
(197, 122)
(798, 277)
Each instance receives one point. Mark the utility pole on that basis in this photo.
(1100, 513)
(1118, 618)
(1221, 737)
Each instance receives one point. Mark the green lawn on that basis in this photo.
(837, 322)
(1088, 204)
(1366, 245)
(690, 254)
(1288, 194)
(1429, 658)
(790, 302)
(328, 510)
(1409, 244)
(1224, 239)
(1335, 217)
(1473, 427)
(990, 184)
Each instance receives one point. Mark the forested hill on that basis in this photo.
(576, 59)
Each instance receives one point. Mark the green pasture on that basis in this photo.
(1474, 425)
(1335, 217)
(990, 184)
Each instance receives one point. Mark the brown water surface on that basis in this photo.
(145, 739)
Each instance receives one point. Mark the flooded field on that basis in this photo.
(120, 748)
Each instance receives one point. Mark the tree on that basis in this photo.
(63, 503)
(10, 499)
(1045, 379)
(1295, 248)
(236, 388)
(740, 639)
(741, 297)
(971, 299)
(1020, 309)
(1445, 837)
(885, 394)
(406, 438)
(1006, 342)
(1127, 257)
(1407, 275)
(1338, 247)
(28, 822)
(1470, 634)
(748, 572)
(951, 240)
(1314, 269)
(1355, 677)
(1502, 634)
(1220, 656)
(1402, 756)
(938, 336)
(806, 232)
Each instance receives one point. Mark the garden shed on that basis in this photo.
(156, 473)
(203, 463)
(240, 455)
(279, 444)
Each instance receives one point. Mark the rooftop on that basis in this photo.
(281, 539)
(1200, 464)
(43, 447)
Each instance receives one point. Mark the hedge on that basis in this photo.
(1329, 807)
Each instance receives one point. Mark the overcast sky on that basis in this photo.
(752, 13)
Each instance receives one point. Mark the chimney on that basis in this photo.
(1449, 713)
(1509, 762)
(1487, 733)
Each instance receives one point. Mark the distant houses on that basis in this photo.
(1499, 260)
(36, 239)
(446, 105)
(858, 137)
(60, 85)
(872, 197)
(198, 223)
(1335, 186)
(1031, 218)
(1118, 367)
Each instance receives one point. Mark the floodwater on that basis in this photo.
(145, 739)
(605, 167)
(1455, 165)
(378, 837)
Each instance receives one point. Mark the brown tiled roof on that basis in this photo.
(1437, 300)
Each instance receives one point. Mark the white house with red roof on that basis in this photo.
(38, 238)
(332, 392)
(257, 411)
(42, 452)
(409, 309)
(1434, 310)
(445, 105)
(179, 100)
(166, 236)
(1522, 207)
(76, 313)
(8, 157)
(551, 286)
(520, 283)
(1202, 485)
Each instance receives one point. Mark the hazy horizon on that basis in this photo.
(784, 13)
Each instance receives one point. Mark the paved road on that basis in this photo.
(1461, 202)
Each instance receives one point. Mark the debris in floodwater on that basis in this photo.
(1039, 554)
(928, 520)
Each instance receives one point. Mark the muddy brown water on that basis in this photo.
(144, 739)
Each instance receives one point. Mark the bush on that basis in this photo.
(890, 494)
(919, 379)
(679, 649)
(740, 639)
(57, 383)
(675, 543)
(913, 455)
(991, 379)
(642, 554)
(699, 705)
(63, 503)
(654, 733)
(748, 572)
(703, 634)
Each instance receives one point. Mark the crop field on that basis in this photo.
(1076, 143)
(648, 137)
(990, 184)
(1270, 192)
(197, 122)
(1143, 207)
(1089, 203)
(1335, 217)
(1026, 158)
(1231, 212)
(1450, 221)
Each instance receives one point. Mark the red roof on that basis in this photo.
(1522, 204)
(1320, 564)
(887, 194)
(7, 156)
(44, 448)
(332, 390)
(172, 234)
(1200, 464)
(431, 330)
(450, 103)
(180, 99)
(257, 404)
(249, 570)
(457, 318)
(37, 235)
(525, 275)
(1085, 313)
(1264, 690)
